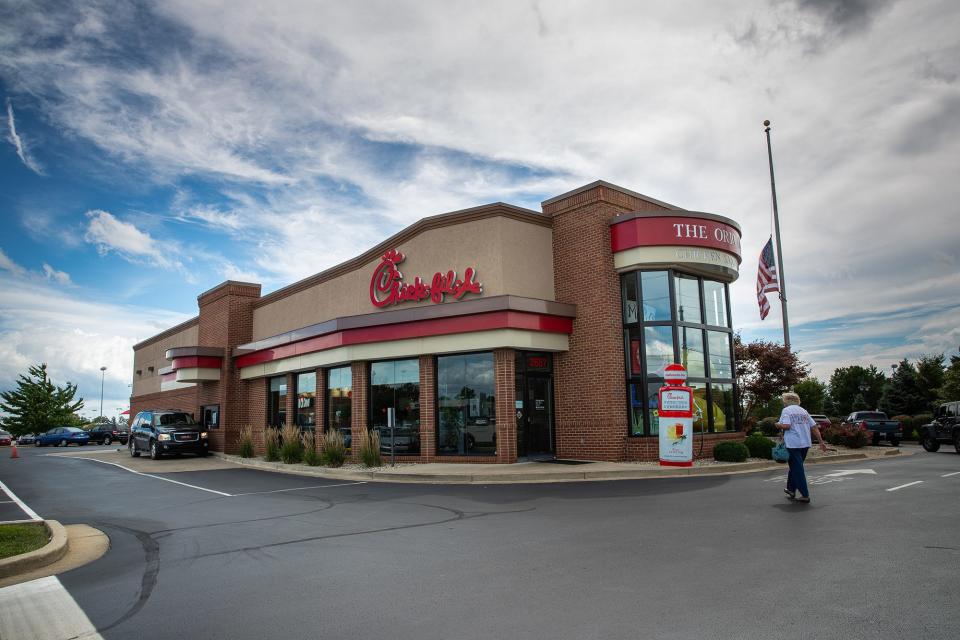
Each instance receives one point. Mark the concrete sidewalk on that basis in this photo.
(449, 473)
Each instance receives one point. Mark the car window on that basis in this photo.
(174, 418)
(952, 410)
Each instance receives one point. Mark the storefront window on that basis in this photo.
(467, 422)
(715, 303)
(277, 401)
(306, 400)
(658, 337)
(691, 352)
(655, 286)
(339, 402)
(631, 308)
(723, 408)
(658, 342)
(721, 360)
(688, 299)
(396, 384)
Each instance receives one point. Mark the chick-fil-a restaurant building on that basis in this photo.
(495, 334)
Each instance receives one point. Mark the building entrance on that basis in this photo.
(535, 435)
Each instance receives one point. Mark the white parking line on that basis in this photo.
(909, 484)
(13, 497)
(947, 475)
(150, 475)
(318, 486)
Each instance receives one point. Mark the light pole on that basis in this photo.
(102, 373)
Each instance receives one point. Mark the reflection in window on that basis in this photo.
(466, 402)
(340, 402)
(636, 409)
(721, 362)
(658, 342)
(396, 384)
(630, 302)
(700, 415)
(306, 400)
(688, 300)
(715, 301)
(691, 351)
(653, 406)
(723, 408)
(277, 401)
(656, 295)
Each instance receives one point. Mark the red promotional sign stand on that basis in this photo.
(675, 414)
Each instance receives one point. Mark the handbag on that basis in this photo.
(780, 453)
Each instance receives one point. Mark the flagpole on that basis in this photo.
(776, 224)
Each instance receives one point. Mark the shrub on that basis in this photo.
(833, 434)
(759, 445)
(246, 441)
(921, 419)
(271, 442)
(370, 449)
(291, 449)
(856, 438)
(768, 427)
(749, 424)
(730, 452)
(312, 457)
(334, 451)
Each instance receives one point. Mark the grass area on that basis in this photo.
(21, 538)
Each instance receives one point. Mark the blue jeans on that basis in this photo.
(797, 479)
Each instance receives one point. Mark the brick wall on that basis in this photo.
(320, 404)
(428, 408)
(589, 379)
(181, 399)
(359, 404)
(647, 448)
(504, 372)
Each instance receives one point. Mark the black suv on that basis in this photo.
(161, 431)
(107, 433)
(945, 428)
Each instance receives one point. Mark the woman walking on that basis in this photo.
(796, 425)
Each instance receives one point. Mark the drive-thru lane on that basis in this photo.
(684, 557)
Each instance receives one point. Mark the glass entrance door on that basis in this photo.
(537, 435)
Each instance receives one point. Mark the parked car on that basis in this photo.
(162, 431)
(5, 439)
(27, 438)
(822, 421)
(879, 426)
(62, 437)
(107, 433)
(945, 428)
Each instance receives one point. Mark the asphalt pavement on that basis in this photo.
(243, 553)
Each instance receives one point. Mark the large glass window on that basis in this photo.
(396, 385)
(277, 401)
(340, 402)
(682, 319)
(307, 400)
(467, 420)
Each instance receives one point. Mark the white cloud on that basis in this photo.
(108, 234)
(9, 265)
(17, 141)
(60, 277)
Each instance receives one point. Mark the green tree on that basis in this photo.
(765, 370)
(856, 388)
(37, 404)
(950, 389)
(901, 395)
(930, 377)
(813, 394)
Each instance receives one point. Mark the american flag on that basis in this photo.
(766, 278)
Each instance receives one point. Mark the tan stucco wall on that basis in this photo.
(152, 355)
(508, 255)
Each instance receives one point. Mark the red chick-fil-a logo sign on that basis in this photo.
(387, 286)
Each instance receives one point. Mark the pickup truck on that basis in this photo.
(877, 423)
(945, 428)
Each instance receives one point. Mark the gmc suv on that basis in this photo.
(162, 431)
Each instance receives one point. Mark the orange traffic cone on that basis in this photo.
(13, 450)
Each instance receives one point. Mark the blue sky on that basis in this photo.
(153, 150)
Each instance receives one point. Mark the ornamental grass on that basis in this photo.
(334, 450)
(291, 444)
(271, 443)
(370, 449)
(245, 440)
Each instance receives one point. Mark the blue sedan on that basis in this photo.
(62, 437)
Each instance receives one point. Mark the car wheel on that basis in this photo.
(930, 443)
(956, 441)
(155, 450)
(471, 442)
(133, 450)
(876, 440)
(894, 442)
(63, 443)
(37, 443)
(107, 440)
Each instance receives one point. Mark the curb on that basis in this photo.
(543, 477)
(47, 554)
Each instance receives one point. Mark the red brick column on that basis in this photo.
(290, 404)
(593, 368)
(253, 394)
(428, 408)
(504, 373)
(359, 422)
(320, 404)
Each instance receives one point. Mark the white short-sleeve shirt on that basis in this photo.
(798, 435)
